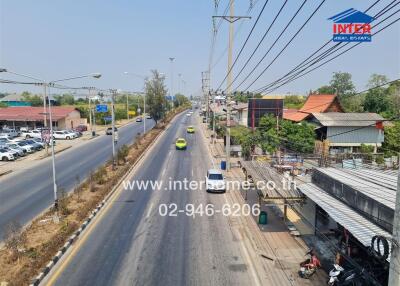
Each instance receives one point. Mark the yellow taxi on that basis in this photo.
(190, 129)
(180, 144)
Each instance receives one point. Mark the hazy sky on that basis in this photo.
(56, 39)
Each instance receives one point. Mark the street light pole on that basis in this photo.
(53, 163)
(113, 93)
(172, 77)
(144, 113)
(127, 106)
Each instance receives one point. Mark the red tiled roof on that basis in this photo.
(315, 103)
(30, 113)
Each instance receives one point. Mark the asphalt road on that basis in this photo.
(132, 244)
(26, 194)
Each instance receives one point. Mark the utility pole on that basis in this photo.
(231, 19)
(394, 270)
(205, 86)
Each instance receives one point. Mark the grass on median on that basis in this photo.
(27, 251)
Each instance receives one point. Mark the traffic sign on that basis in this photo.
(101, 108)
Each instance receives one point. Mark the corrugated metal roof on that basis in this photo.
(376, 185)
(360, 227)
(30, 113)
(347, 119)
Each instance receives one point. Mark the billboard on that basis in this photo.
(258, 107)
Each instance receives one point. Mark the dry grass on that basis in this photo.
(28, 251)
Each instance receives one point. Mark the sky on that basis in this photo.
(57, 39)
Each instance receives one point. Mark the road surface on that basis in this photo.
(26, 194)
(132, 244)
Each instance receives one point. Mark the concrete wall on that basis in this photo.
(71, 121)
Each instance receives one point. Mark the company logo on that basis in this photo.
(352, 26)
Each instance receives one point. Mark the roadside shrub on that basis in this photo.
(15, 239)
(122, 153)
(380, 160)
(63, 203)
(91, 182)
(100, 175)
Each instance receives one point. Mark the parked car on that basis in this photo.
(5, 136)
(5, 140)
(64, 135)
(32, 134)
(35, 145)
(5, 155)
(139, 119)
(24, 129)
(26, 146)
(11, 132)
(109, 130)
(81, 128)
(15, 153)
(43, 143)
(75, 133)
(15, 147)
(215, 181)
(148, 116)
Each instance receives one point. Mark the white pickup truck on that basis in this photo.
(32, 134)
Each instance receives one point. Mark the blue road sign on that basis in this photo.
(107, 118)
(101, 108)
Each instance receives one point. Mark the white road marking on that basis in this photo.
(150, 209)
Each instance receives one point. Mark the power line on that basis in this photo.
(273, 44)
(221, 56)
(327, 61)
(245, 42)
(307, 60)
(308, 63)
(284, 48)
(260, 42)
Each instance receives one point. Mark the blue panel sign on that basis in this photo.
(107, 118)
(101, 108)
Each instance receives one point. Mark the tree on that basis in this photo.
(65, 99)
(326, 89)
(155, 95)
(377, 98)
(294, 101)
(180, 100)
(33, 99)
(267, 134)
(342, 84)
(391, 144)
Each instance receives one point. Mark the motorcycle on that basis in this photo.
(339, 277)
(309, 266)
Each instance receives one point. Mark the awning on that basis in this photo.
(360, 227)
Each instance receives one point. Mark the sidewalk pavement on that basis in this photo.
(278, 253)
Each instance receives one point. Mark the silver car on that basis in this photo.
(15, 147)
